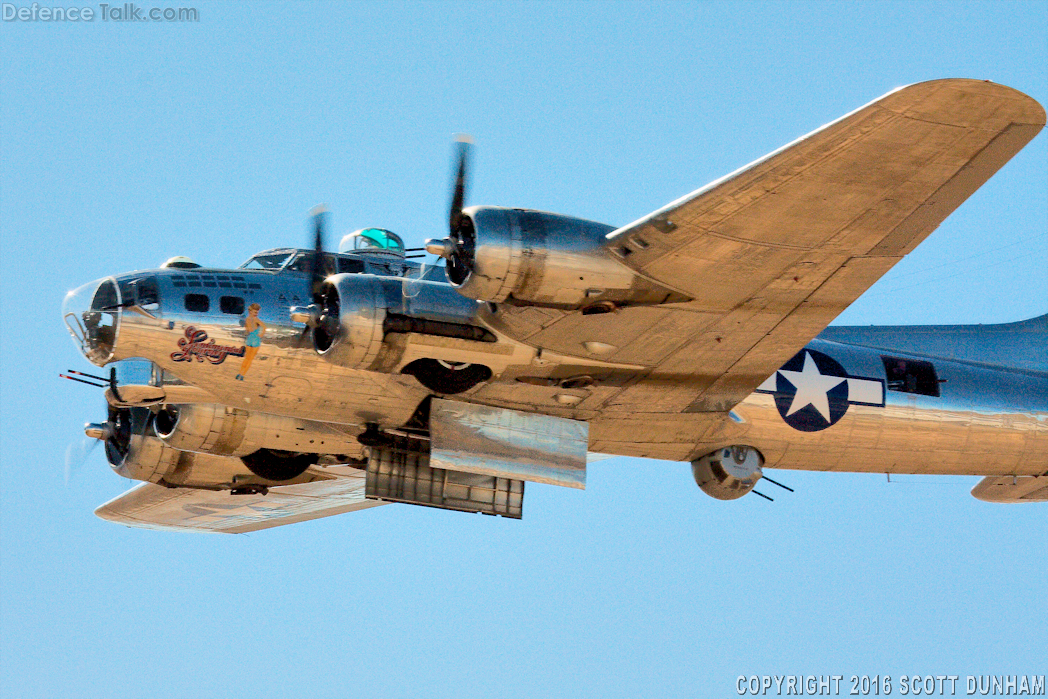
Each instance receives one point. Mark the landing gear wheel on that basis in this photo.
(447, 377)
(275, 465)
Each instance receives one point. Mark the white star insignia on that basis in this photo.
(812, 387)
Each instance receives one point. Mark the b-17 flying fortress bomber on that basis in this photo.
(307, 383)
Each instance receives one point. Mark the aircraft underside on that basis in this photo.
(307, 383)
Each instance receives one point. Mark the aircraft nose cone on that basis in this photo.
(92, 316)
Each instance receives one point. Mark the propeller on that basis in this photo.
(458, 196)
(322, 316)
(114, 433)
(77, 454)
(316, 261)
(325, 310)
(312, 314)
(458, 247)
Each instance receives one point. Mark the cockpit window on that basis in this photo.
(271, 261)
(303, 259)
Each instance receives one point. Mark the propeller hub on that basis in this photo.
(98, 430)
(305, 314)
(329, 323)
(441, 248)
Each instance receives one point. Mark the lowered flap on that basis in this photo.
(152, 506)
(1012, 489)
(508, 443)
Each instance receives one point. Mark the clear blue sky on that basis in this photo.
(125, 144)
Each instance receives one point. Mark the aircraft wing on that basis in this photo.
(152, 506)
(773, 252)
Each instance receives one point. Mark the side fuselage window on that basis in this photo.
(198, 303)
(911, 376)
(234, 305)
(350, 266)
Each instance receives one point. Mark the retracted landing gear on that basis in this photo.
(276, 465)
(447, 378)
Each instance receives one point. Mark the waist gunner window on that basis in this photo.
(911, 376)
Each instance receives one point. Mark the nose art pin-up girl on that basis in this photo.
(255, 330)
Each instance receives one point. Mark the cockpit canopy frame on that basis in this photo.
(372, 241)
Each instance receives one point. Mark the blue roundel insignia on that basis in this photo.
(813, 391)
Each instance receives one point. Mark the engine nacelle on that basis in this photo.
(543, 259)
(132, 450)
(358, 312)
(728, 473)
(226, 431)
(349, 331)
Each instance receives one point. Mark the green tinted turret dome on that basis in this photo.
(372, 240)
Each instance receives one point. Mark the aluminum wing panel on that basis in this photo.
(508, 443)
(776, 250)
(151, 506)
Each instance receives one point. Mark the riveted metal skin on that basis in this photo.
(693, 329)
(728, 473)
(227, 431)
(508, 444)
(361, 313)
(544, 259)
(147, 459)
(985, 421)
(150, 459)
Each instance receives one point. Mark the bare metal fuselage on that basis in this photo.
(697, 332)
(989, 417)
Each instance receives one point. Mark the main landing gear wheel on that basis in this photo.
(277, 465)
(448, 378)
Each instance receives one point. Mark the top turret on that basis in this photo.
(372, 241)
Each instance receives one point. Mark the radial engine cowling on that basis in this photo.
(542, 259)
(349, 330)
(131, 449)
(728, 473)
(134, 450)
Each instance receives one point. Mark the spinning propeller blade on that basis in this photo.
(458, 196)
(77, 454)
(316, 262)
(458, 247)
